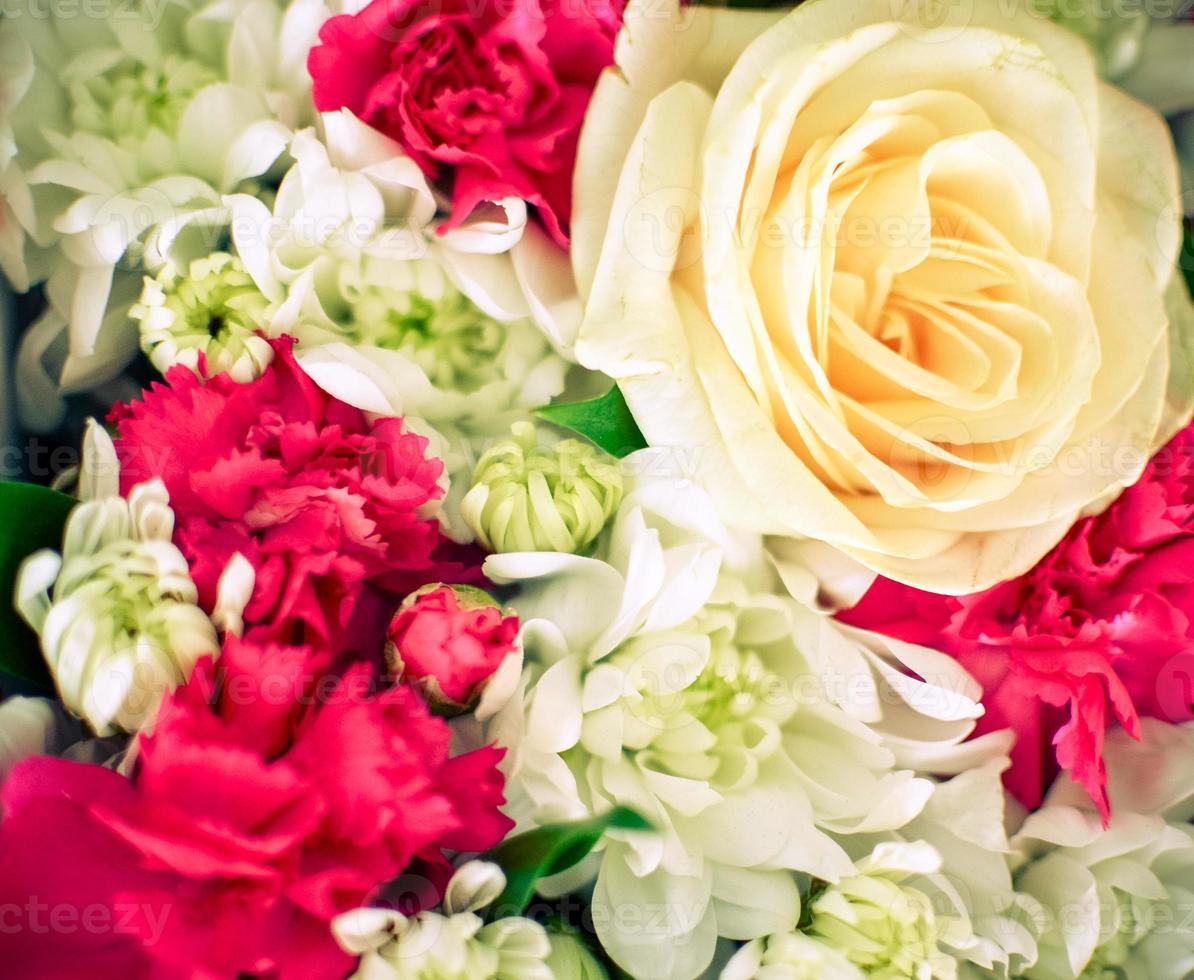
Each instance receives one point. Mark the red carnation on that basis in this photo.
(1101, 629)
(265, 803)
(326, 505)
(494, 91)
(449, 642)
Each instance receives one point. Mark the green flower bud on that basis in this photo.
(214, 309)
(530, 498)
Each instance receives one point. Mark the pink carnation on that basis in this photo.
(495, 91)
(449, 648)
(326, 505)
(1100, 631)
(261, 807)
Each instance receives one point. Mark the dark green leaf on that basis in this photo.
(549, 850)
(1186, 259)
(31, 518)
(605, 421)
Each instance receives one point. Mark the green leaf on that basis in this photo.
(1185, 260)
(31, 518)
(605, 421)
(549, 850)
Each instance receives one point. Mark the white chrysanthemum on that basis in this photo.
(415, 336)
(355, 206)
(924, 900)
(1116, 901)
(116, 610)
(127, 130)
(350, 213)
(21, 263)
(47, 372)
(920, 700)
(455, 944)
(880, 921)
(673, 685)
(964, 823)
(952, 898)
(211, 308)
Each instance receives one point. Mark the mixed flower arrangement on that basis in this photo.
(582, 489)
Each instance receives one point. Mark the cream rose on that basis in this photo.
(904, 288)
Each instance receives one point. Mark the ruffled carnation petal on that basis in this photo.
(262, 806)
(324, 503)
(496, 95)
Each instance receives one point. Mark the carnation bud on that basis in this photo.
(212, 308)
(449, 640)
(530, 498)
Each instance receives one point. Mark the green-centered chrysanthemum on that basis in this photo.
(427, 317)
(527, 497)
(1108, 901)
(882, 923)
(696, 704)
(132, 98)
(211, 308)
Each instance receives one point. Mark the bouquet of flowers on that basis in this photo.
(587, 489)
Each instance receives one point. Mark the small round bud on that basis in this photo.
(551, 498)
(449, 641)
